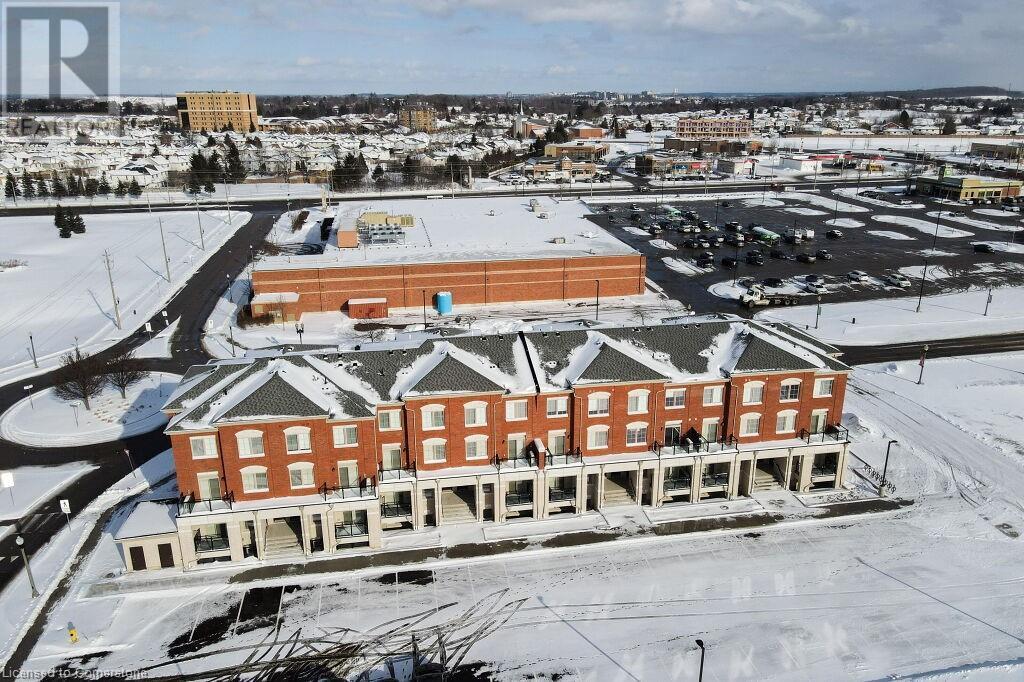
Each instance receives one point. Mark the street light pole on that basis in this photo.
(32, 345)
(924, 355)
(920, 293)
(597, 301)
(700, 673)
(817, 314)
(20, 542)
(885, 467)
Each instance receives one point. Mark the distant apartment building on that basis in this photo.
(218, 110)
(418, 119)
(725, 147)
(582, 131)
(713, 128)
(324, 453)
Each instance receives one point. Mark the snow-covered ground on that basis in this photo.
(923, 226)
(35, 484)
(886, 234)
(977, 222)
(1005, 246)
(60, 294)
(894, 320)
(662, 244)
(159, 346)
(855, 193)
(684, 267)
(844, 222)
(45, 421)
(930, 590)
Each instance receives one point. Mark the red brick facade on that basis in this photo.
(411, 434)
(479, 282)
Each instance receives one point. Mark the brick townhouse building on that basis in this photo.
(313, 453)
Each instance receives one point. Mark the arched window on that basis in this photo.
(637, 403)
(785, 421)
(254, 480)
(300, 475)
(790, 390)
(250, 443)
(598, 404)
(636, 433)
(597, 436)
(433, 417)
(435, 450)
(750, 424)
(296, 439)
(753, 393)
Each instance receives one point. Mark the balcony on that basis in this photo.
(831, 434)
(520, 462)
(210, 543)
(715, 479)
(823, 472)
(336, 493)
(562, 494)
(395, 510)
(692, 444)
(564, 459)
(516, 499)
(188, 504)
(678, 483)
(390, 475)
(355, 529)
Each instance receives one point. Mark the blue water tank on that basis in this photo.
(444, 302)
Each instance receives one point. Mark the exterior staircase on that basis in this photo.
(764, 481)
(282, 539)
(617, 492)
(457, 507)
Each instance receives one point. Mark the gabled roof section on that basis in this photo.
(452, 376)
(274, 397)
(611, 365)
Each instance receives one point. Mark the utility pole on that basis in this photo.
(113, 294)
(597, 301)
(32, 345)
(920, 293)
(167, 261)
(924, 356)
(227, 197)
(988, 300)
(817, 314)
(202, 239)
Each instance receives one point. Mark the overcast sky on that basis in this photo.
(492, 46)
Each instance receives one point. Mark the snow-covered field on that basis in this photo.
(930, 590)
(35, 484)
(894, 320)
(61, 293)
(46, 421)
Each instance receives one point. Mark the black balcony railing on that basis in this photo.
(831, 434)
(678, 483)
(691, 444)
(571, 457)
(562, 494)
(188, 503)
(391, 510)
(348, 492)
(210, 543)
(524, 461)
(715, 479)
(354, 529)
(395, 474)
(513, 499)
(823, 471)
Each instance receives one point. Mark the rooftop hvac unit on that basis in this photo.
(542, 214)
(558, 240)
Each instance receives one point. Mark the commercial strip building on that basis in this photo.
(578, 150)
(475, 251)
(966, 187)
(663, 164)
(1010, 151)
(322, 452)
(214, 111)
(719, 127)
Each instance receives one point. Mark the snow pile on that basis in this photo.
(684, 267)
(886, 234)
(923, 226)
(976, 222)
(844, 222)
(662, 244)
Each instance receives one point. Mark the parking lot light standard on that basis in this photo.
(920, 293)
(885, 467)
(700, 673)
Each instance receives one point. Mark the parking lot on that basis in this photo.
(879, 238)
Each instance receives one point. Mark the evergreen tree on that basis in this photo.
(379, 176)
(28, 188)
(648, 128)
(104, 186)
(10, 188)
(904, 119)
(949, 126)
(337, 177)
(120, 190)
(76, 223)
(235, 169)
(73, 190)
(91, 185)
(60, 220)
(134, 189)
(42, 190)
(59, 189)
(410, 169)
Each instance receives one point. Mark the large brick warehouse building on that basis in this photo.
(480, 251)
(320, 452)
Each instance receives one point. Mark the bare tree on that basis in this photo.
(79, 377)
(124, 371)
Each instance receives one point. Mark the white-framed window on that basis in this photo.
(598, 404)
(203, 447)
(712, 395)
(636, 433)
(819, 420)
(209, 485)
(785, 421)
(254, 480)
(433, 417)
(296, 439)
(348, 474)
(516, 444)
(750, 424)
(389, 420)
(391, 456)
(709, 429)
(250, 443)
(300, 475)
(435, 450)
(476, 447)
(675, 398)
(823, 387)
(515, 410)
(597, 436)
(753, 393)
(790, 390)
(637, 401)
(476, 413)
(558, 407)
(556, 442)
(346, 435)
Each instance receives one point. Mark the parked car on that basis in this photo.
(703, 244)
(857, 276)
(725, 204)
(729, 262)
(690, 244)
(834, 234)
(774, 282)
(815, 288)
(780, 255)
(814, 279)
(735, 240)
(897, 279)
(716, 239)
(754, 258)
(806, 257)
(984, 248)
(824, 254)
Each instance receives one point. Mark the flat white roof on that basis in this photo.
(448, 230)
